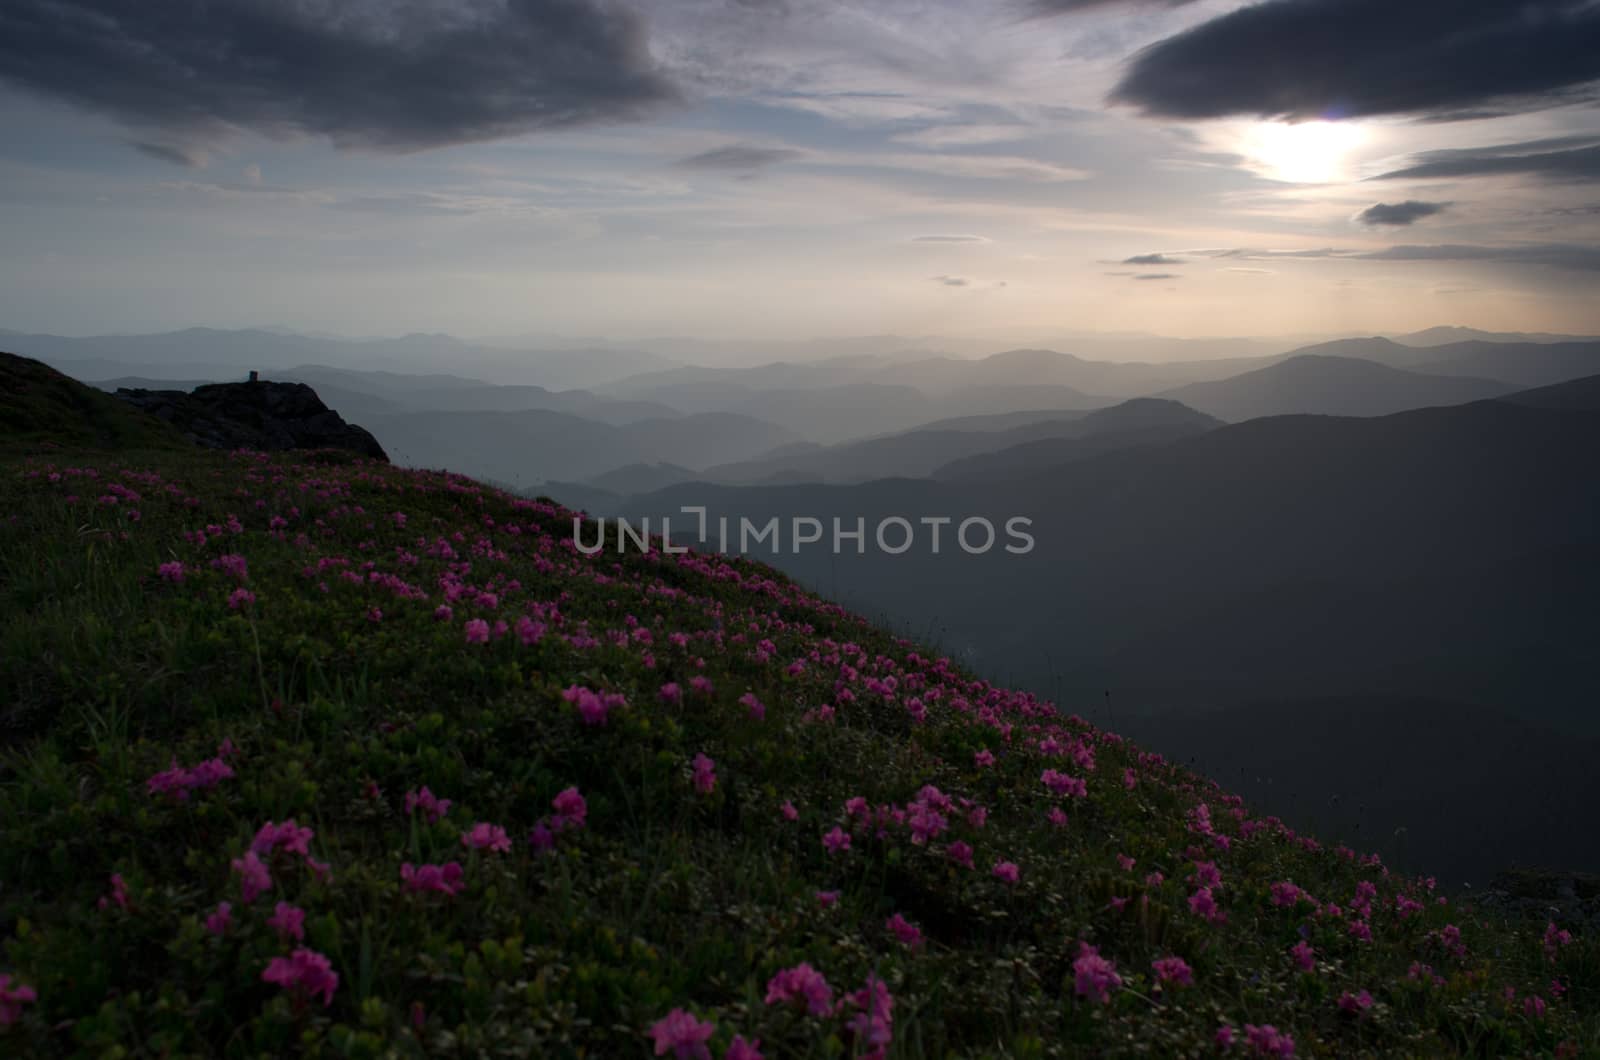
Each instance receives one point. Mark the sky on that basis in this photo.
(800, 168)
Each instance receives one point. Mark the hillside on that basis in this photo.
(40, 407)
(345, 759)
(1330, 386)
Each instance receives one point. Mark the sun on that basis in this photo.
(1308, 152)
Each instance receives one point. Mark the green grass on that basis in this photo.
(42, 409)
(667, 897)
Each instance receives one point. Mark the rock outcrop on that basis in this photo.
(255, 415)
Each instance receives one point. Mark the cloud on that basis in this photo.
(1574, 163)
(952, 281)
(186, 155)
(394, 77)
(1152, 259)
(739, 157)
(1439, 59)
(1558, 255)
(949, 239)
(1062, 7)
(1158, 276)
(1398, 213)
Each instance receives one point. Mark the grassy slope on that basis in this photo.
(343, 687)
(41, 408)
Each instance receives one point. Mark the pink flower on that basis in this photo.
(1206, 874)
(739, 1049)
(983, 759)
(477, 631)
(1285, 893)
(1058, 817)
(529, 632)
(434, 808)
(671, 693)
(442, 879)
(254, 879)
(1007, 871)
(904, 930)
(826, 899)
(1062, 784)
(960, 853)
(872, 1027)
(1305, 957)
(701, 685)
(1533, 1007)
(306, 972)
(1268, 1041)
(217, 920)
(1224, 1037)
(118, 895)
(1094, 976)
(486, 836)
(788, 810)
(757, 709)
(1355, 1004)
(705, 774)
(570, 808)
(172, 572)
(836, 840)
(1554, 940)
(801, 983)
(1125, 863)
(1204, 905)
(12, 998)
(593, 707)
(1130, 779)
(240, 598)
(288, 921)
(1173, 970)
(287, 835)
(684, 1036)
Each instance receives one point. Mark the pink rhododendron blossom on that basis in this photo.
(1057, 817)
(571, 809)
(288, 835)
(1125, 863)
(171, 572)
(983, 759)
(801, 983)
(13, 995)
(443, 879)
(1533, 1007)
(739, 1049)
(434, 808)
(836, 840)
(1268, 1041)
(1130, 779)
(240, 598)
(705, 774)
(306, 972)
(254, 879)
(1305, 958)
(218, 920)
(757, 709)
(1204, 905)
(288, 921)
(1285, 894)
(476, 631)
(671, 693)
(1206, 874)
(1554, 939)
(1094, 977)
(1355, 1004)
(960, 853)
(1173, 971)
(486, 836)
(682, 1035)
(1006, 871)
(119, 893)
(873, 1026)
(904, 930)
(1224, 1037)
(827, 899)
(788, 810)
(1062, 784)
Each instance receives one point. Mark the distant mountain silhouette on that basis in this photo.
(1521, 364)
(1576, 394)
(1329, 386)
(1140, 422)
(1443, 336)
(531, 446)
(642, 478)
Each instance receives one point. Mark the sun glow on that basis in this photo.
(1309, 152)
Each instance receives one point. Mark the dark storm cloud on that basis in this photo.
(1577, 163)
(1399, 213)
(1442, 59)
(739, 157)
(364, 74)
(1152, 259)
(1059, 7)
